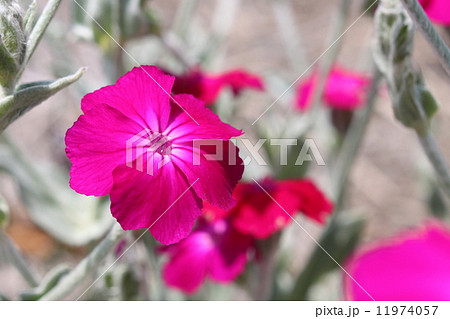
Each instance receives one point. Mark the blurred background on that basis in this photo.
(391, 183)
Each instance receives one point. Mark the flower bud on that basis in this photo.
(413, 104)
(394, 34)
(12, 41)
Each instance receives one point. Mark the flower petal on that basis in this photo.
(207, 87)
(198, 84)
(189, 263)
(229, 258)
(165, 202)
(95, 151)
(239, 80)
(218, 167)
(142, 94)
(413, 266)
(305, 91)
(313, 202)
(195, 121)
(437, 10)
(346, 90)
(260, 215)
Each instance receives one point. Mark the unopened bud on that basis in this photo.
(12, 41)
(412, 102)
(414, 105)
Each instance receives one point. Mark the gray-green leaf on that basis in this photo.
(49, 281)
(30, 95)
(71, 218)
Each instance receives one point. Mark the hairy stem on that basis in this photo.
(431, 148)
(174, 46)
(348, 153)
(87, 266)
(266, 267)
(328, 60)
(351, 145)
(38, 31)
(421, 19)
(18, 260)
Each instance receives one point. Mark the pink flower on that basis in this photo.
(437, 10)
(135, 144)
(120, 248)
(207, 87)
(213, 250)
(257, 214)
(344, 90)
(412, 266)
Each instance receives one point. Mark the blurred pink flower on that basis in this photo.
(411, 266)
(213, 250)
(120, 248)
(437, 10)
(137, 109)
(207, 87)
(344, 89)
(256, 214)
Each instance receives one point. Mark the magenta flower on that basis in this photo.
(138, 146)
(412, 266)
(213, 250)
(257, 214)
(437, 10)
(345, 90)
(207, 87)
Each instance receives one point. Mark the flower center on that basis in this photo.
(160, 143)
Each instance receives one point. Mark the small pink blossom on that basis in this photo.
(207, 87)
(120, 248)
(437, 10)
(344, 89)
(411, 266)
(213, 250)
(152, 182)
(259, 215)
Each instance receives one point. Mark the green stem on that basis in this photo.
(222, 22)
(269, 250)
(173, 45)
(18, 260)
(421, 19)
(431, 148)
(328, 60)
(336, 243)
(156, 284)
(310, 273)
(292, 40)
(351, 145)
(184, 17)
(118, 62)
(38, 32)
(305, 281)
(87, 266)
